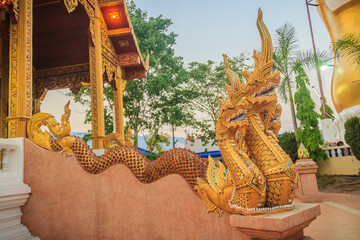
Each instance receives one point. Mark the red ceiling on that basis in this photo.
(115, 23)
(130, 40)
(59, 38)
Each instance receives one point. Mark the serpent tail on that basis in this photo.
(176, 161)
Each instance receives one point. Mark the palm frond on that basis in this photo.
(278, 62)
(286, 40)
(282, 90)
(284, 56)
(308, 58)
(350, 46)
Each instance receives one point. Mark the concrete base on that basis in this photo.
(287, 225)
(307, 190)
(309, 198)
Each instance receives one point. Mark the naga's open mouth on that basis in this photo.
(240, 116)
(276, 119)
(266, 92)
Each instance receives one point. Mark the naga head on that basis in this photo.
(231, 118)
(233, 109)
(259, 87)
(260, 84)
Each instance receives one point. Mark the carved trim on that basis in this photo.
(4, 82)
(135, 74)
(108, 3)
(123, 43)
(13, 99)
(62, 77)
(128, 59)
(19, 117)
(28, 57)
(89, 6)
(118, 32)
(107, 46)
(15, 4)
(62, 70)
(72, 81)
(108, 68)
(93, 88)
(108, 53)
(20, 69)
(38, 102)
(71, 5)
(116, 107)
(4, 91)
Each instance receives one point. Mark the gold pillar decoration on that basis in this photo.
(96, 84)
(20, 70)
(4, 73)
(120, 85)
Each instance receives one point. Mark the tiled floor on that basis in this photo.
(339, 219)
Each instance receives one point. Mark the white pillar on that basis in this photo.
(13, 191)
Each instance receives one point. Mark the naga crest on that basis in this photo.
(261, 83)
(259, 87)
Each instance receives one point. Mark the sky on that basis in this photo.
(207, 28)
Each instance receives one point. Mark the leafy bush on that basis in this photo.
(352, 135)
(152, 156)
(308, 132)
(288, 143)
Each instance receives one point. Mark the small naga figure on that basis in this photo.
(259, 177)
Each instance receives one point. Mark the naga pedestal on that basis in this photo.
(307, 190)
(287, 225)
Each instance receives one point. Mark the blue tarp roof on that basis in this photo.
(211, 153)
(145, 151)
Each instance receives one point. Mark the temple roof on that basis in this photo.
(61, 39)
(122, 36)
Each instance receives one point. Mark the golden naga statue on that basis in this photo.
(259, 177)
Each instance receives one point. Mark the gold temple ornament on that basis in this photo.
(303, 153)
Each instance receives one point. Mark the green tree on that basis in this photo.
(149, 101)
(83, 97)
(329, 112)
(287, 141)
(176, 111)
(155, 140)
(286, 55)
(352, 135)
(206, 83)
(308, 132)
(349, 45)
